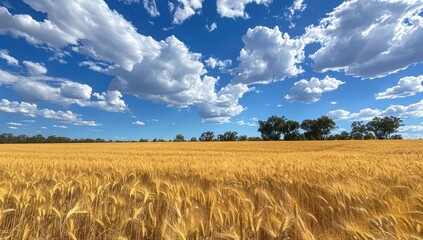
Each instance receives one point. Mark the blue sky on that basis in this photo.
(131, 69)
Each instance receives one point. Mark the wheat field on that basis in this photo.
(212, 190)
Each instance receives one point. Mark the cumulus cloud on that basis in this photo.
(32, 110)
(222, 106)
(12, 127)
(406, 86)
(77, 24)
(414, 110)
(369, 39)
(138, 123)
(61, 91)
(268, 55)
(221, 64)
(34, 68)
(234, 9)
(4, 54)
(161, 71)
(212, 27)
(158, 79)
(311, 91)
(185, 9)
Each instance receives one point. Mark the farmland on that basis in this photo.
(212, 190)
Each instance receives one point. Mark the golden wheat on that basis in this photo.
(217, 190)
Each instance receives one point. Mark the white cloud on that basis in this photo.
(60, 126)
(297, 7)
(185, 9)
(61, 91)
(384, 39)
(333, 103)
(138, 123)
(154, 120)
(43, 127)
(234, 9)
(215, 62)
(34, 68)
(268, 55)
(75, 90)
(411, 128)
(407, 86)
(77, 23)
(4, 54)
(151, 7)
(28, 121)
(222, 106)
(212, 27)
(14, 124)
(12, 127)
(249, 124)
(311, 91)
(31, 110)
(414, 110)
(160, 71)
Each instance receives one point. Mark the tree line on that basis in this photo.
(273, 129)
(276, 128)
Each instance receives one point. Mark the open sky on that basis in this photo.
(131, 69)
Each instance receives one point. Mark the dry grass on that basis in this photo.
(251, 190)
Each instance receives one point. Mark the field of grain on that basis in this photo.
(234, 190)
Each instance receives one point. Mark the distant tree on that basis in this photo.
(179, 138)
(254, 139)
(290, 130)
(207, 136)
(272, 128)
(318, 129)
(193, 139)
(358, 130)
(143, 140)
(382, 128)
(228, 136)
(345, 135)
(243, 138)
(397, 137)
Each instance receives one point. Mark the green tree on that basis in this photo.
(272, 128)
(207, 136)
(382, 128)
(291, 130)
(358, 130)
(228, 136)
(179, 138)
(318, 129)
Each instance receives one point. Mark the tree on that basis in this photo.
(272, 128)
(290, 130)
(384, 127)
(254, 139)
(243, 138)
(193, 139)
(179, 138)
(318, 129)
(207, 136)
(397, 137)
(358, 130)
(228, 136)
